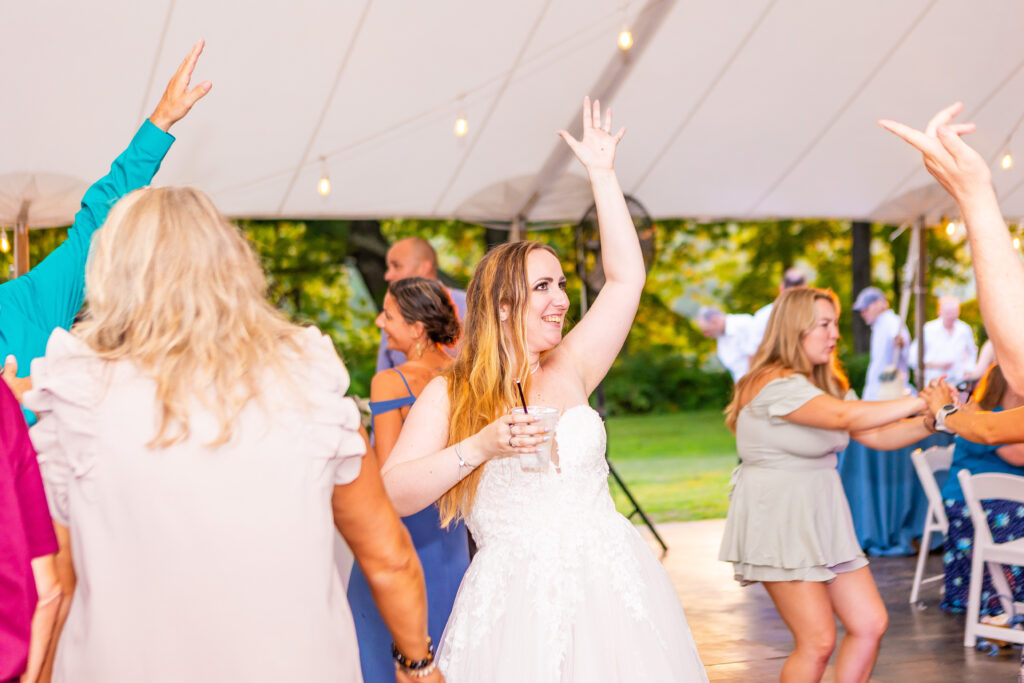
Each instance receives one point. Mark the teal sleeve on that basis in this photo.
(49, 295)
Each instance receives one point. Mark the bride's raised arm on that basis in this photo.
(596, 340)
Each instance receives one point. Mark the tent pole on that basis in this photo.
(648, 20)
(515, 232)
(21, 240)
(920, 298)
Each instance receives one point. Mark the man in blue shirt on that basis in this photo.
(50, 295)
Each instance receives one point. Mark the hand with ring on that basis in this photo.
(512, 434)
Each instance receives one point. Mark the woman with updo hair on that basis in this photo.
(418, 319)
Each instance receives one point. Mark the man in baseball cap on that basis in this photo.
(889, 339)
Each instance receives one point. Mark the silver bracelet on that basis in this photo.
(462, 461)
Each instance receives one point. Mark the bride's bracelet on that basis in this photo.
(462, 461)
(415, 668)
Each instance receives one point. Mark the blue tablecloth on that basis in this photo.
(886, 499)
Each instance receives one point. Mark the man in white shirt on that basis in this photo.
(949, 346)
(734, 336)
(793, 277)
(888, 334)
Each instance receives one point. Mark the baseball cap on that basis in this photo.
(867, 296)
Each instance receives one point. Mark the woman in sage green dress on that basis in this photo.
(789, 525)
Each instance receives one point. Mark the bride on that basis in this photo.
(562, 588)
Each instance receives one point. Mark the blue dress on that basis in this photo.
(1005, 519)
(444, 554)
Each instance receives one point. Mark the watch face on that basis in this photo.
(949, 407)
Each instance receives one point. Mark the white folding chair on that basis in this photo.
(986, 552)
(927, 463)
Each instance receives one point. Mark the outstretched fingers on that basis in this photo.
(177, 99)
(910, 135)
(588, 114)
(949, 136)
(188, 65)
(569, 139)
(943, 117)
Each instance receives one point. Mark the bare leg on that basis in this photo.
(858, 605)
(807, 611)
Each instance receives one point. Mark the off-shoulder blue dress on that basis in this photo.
(444, 554)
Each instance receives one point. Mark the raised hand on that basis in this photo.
(177, 99)
(955, 164)
(597, 148)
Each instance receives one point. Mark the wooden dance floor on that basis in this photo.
(742, 638)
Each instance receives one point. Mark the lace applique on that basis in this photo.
(544, 540)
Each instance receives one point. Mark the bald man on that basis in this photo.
(949, 346)
(413, 257)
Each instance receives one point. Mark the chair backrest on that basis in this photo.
(988, 486)
(926, 464)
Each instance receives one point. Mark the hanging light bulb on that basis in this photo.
(1007, 161)
(951, 228)
(323, 186)
(1016, 243)
(5, 245)
(625, 41)
(461, 126)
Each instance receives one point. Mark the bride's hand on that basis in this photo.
(514, 434)
(597, 148)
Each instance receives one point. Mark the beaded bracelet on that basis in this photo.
(418, 673)
(417, 668)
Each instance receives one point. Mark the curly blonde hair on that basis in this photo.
(175, 288)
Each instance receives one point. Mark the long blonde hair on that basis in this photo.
(793, 315)
(481, 381)
(175, 288)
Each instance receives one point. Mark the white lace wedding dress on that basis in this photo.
(563, 588)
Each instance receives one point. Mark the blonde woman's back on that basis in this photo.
(198, 563)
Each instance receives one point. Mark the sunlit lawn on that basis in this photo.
(676, 465)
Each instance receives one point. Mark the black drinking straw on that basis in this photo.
(522, 398)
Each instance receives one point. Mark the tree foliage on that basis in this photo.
(330, 274)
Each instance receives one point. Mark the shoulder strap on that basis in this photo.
(404, 381)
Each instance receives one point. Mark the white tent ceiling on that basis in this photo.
(735, 108)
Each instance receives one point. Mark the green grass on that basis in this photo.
(676, 465)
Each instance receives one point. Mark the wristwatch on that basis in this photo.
(940, 417)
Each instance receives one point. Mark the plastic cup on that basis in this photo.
(539, 461)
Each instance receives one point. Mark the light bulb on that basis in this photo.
(1016, 243)
(5, 246)
(461, 126)
(950, 228)
(323, 186)
(625, 39)
(1007, 161)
